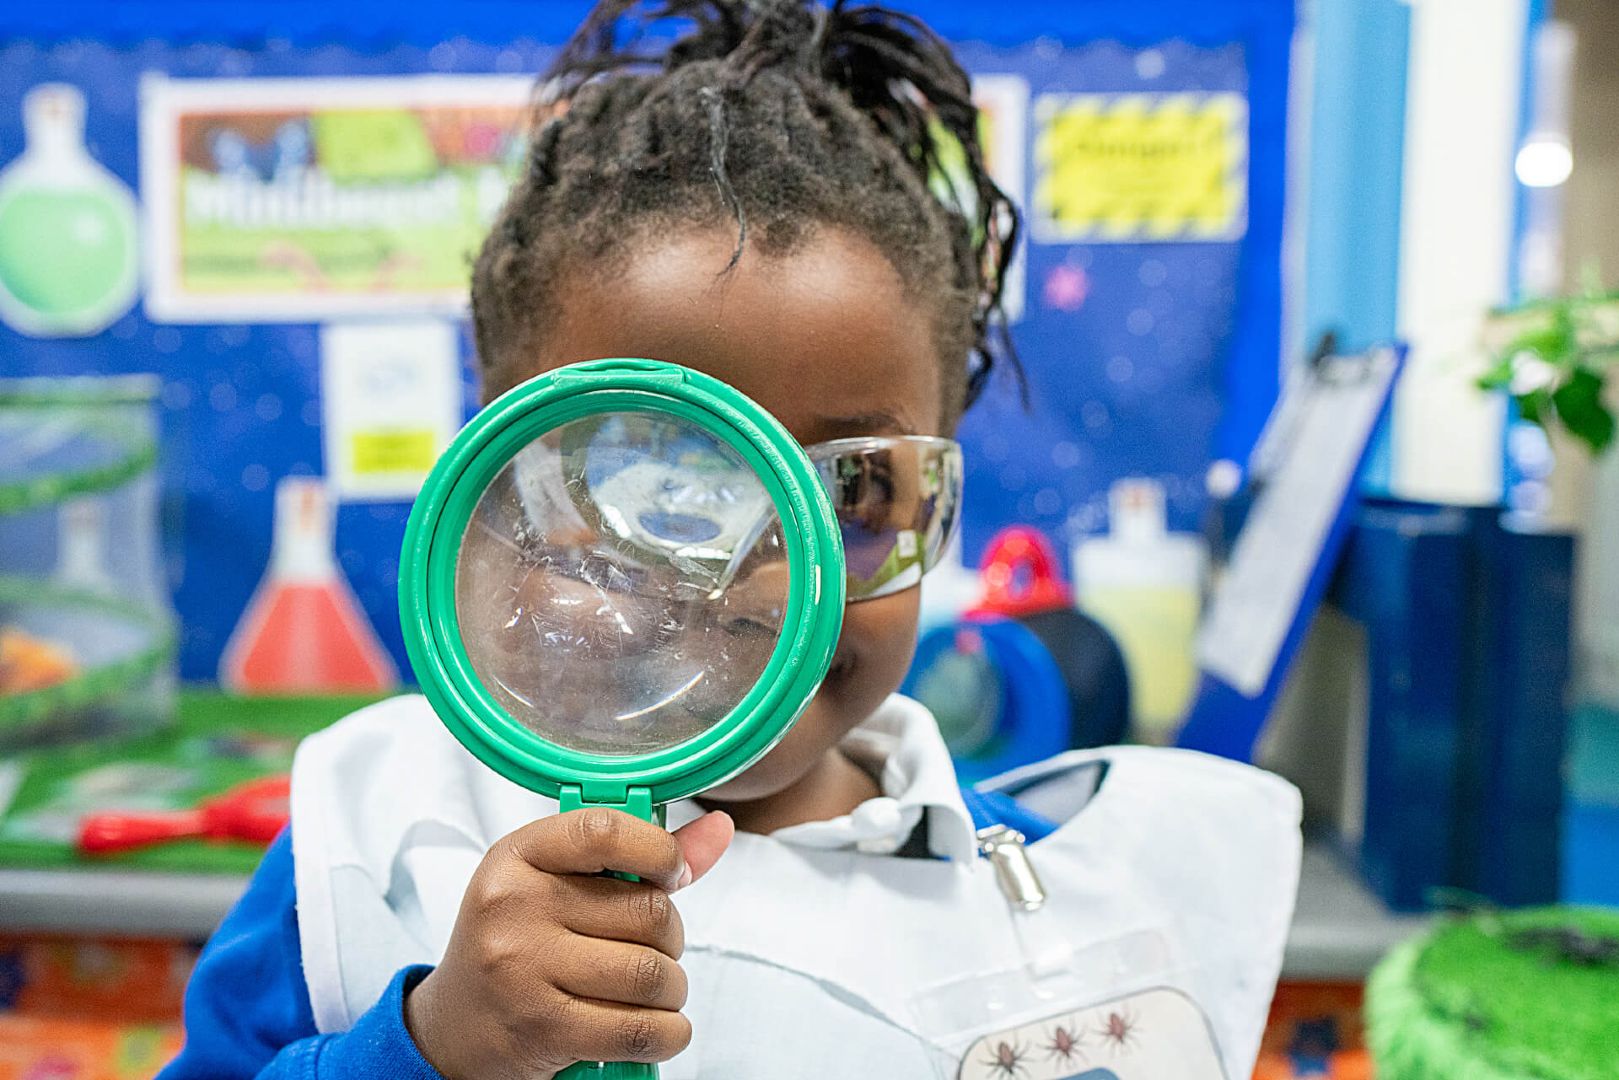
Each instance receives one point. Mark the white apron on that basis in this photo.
(1170, 891)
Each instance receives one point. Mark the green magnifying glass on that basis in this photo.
(620, 586)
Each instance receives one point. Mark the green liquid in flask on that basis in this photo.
(67, 227)
(62, 252)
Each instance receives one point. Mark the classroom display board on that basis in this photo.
(279, 228)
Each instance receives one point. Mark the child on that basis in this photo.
(756, 200)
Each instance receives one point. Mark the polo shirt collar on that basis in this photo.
(901, 746)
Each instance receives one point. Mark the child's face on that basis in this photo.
(826, 339)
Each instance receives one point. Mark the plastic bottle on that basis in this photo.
(1144, 584)
(68, 260)
(304, 632)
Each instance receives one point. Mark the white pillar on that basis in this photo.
(1462, 120)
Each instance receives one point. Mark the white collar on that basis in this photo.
(900, 743)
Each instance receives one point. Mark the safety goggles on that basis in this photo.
(898, 501)
(665, 498)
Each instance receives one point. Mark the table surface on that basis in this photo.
(1339, 929)
(183, 890)
(216, 742)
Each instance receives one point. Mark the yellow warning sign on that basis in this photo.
(1131, 168)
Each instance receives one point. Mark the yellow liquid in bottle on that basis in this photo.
(1155, 626)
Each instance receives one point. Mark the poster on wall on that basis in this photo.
(1137, 354)
(390, 403)
(303, 199)
(1140, 168)
(1003, 103)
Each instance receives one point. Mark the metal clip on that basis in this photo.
(1004, 847)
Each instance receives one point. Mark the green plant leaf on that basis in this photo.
(1556, 342)
(1536, 406)
(1578, 338)
(1498, 376)
(1581, 409)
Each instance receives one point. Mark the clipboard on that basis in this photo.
(1305, 472)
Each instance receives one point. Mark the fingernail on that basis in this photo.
(685, 877)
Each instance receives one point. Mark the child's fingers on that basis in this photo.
(594, 839)
(703, 841)
(608, 1031)
(615, 971)
(601, 907)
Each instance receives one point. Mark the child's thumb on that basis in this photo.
(702, 842)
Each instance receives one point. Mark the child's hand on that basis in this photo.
(550, 963)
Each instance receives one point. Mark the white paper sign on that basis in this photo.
(1003, 103)
(391, 401)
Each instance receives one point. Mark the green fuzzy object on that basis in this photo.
(1528, 995)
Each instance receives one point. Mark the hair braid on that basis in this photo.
(777, 115)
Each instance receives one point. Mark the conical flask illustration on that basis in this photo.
(304, 632)
(68, 258)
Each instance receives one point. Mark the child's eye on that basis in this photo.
(882, 478)
(865, 480)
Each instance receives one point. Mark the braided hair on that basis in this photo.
(777, 117)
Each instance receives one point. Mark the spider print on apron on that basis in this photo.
(1158, 1034)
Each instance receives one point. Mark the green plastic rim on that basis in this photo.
(95, 685)
(443, 509)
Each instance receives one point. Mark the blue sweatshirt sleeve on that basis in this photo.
(247, 1012)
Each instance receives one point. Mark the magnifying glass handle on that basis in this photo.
(609, 1070)
(638, 802)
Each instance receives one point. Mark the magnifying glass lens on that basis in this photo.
(622, 583)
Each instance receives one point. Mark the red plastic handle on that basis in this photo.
(1021, 575)
(100, 834)
(255, 811)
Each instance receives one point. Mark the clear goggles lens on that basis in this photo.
(898, 500)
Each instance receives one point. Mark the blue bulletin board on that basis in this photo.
(1151, 342)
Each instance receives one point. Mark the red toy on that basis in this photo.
(255, 811)
(1021, 576)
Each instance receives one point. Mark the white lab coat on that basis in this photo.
(816, 953)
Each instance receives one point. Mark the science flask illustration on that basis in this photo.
(303, 631)
(68, 247)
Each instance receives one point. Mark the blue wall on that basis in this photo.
(242, 401)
